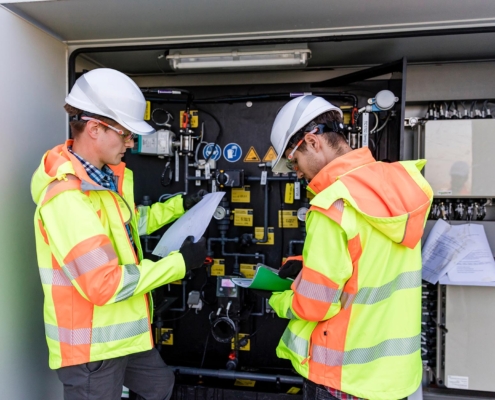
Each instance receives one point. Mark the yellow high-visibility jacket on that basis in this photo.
(355, 308)
(97, 303)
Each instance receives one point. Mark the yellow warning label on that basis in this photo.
(193, 118)
(179, 282)
(166, 335)
(147, 111)
(259, 232)
(252, 156)
(289, 193)
(270, 155)
(248, 270)
(218, 267)
(247, 347)
(293, 390)
(243, 217)
(244, 382)
(241, 195)
(287, 219)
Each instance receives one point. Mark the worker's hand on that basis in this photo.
(194, 254)
(265, 294)
(290, 269)
(190, 200)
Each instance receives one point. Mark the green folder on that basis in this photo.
(265, 278)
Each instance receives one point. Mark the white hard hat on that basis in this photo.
(111, 94)
(295, 115)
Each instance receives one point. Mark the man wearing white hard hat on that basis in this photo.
(98, 307)
(355, 305)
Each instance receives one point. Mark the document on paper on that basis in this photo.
(478, 265)
(445, 245)
(458, 254)
(193, 223)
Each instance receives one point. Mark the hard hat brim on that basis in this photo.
(138, 127)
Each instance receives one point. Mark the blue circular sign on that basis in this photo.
(217, 151)
(232, 152)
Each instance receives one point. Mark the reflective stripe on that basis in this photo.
(295, 343)
(131, 279)
(56, 277)
(387, 348)
(73, 337)
(290, 314)
(346, 300)
(90, 261)
(105, 334)
(318, 291)
(371, 295)
(143, 220)
(119, 331)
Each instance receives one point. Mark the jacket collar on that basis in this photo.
(340, 166)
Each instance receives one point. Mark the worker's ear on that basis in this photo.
(92, 129)
(312, 141)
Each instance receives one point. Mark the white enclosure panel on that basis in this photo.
(32, 90)
(469, 350)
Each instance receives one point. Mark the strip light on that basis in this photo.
(240, 59)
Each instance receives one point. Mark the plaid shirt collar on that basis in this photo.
(103, 177)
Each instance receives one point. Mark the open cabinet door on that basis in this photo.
(32, 120)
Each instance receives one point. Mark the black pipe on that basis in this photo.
(259, 97)
(257, 42)
(224, 374)
(265, 218)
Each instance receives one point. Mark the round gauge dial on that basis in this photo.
(219, 213)
(301, 213)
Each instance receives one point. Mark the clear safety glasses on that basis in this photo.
(126, 135)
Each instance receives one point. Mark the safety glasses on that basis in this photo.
(127, 136)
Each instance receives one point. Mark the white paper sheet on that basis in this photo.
(459, 255)
(193, 223)
(445, 245)
(478, 265)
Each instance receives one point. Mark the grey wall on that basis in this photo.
(32, 91)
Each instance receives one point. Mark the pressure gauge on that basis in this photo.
(219, 213)
(301, 214)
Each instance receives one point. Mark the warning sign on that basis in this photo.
(252, 156)
(270, 155)
(243, 217)
(218, 267)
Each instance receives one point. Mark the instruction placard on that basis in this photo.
(169, 338)
(259, 232)
(193, 115)
(247, 347)
(287, 219)
(244, 382)
(248, 270)
(241, 195)
(289, 193)
(243, 217)
(218, 267)
(147, 111)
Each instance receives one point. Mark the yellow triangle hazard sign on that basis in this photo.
(252, 156)
(270, 155)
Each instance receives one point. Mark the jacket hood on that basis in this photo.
(393, 197)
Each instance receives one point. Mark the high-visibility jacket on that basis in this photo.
(355, 308)
(97, 303)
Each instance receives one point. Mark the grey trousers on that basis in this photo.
(144, 373)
